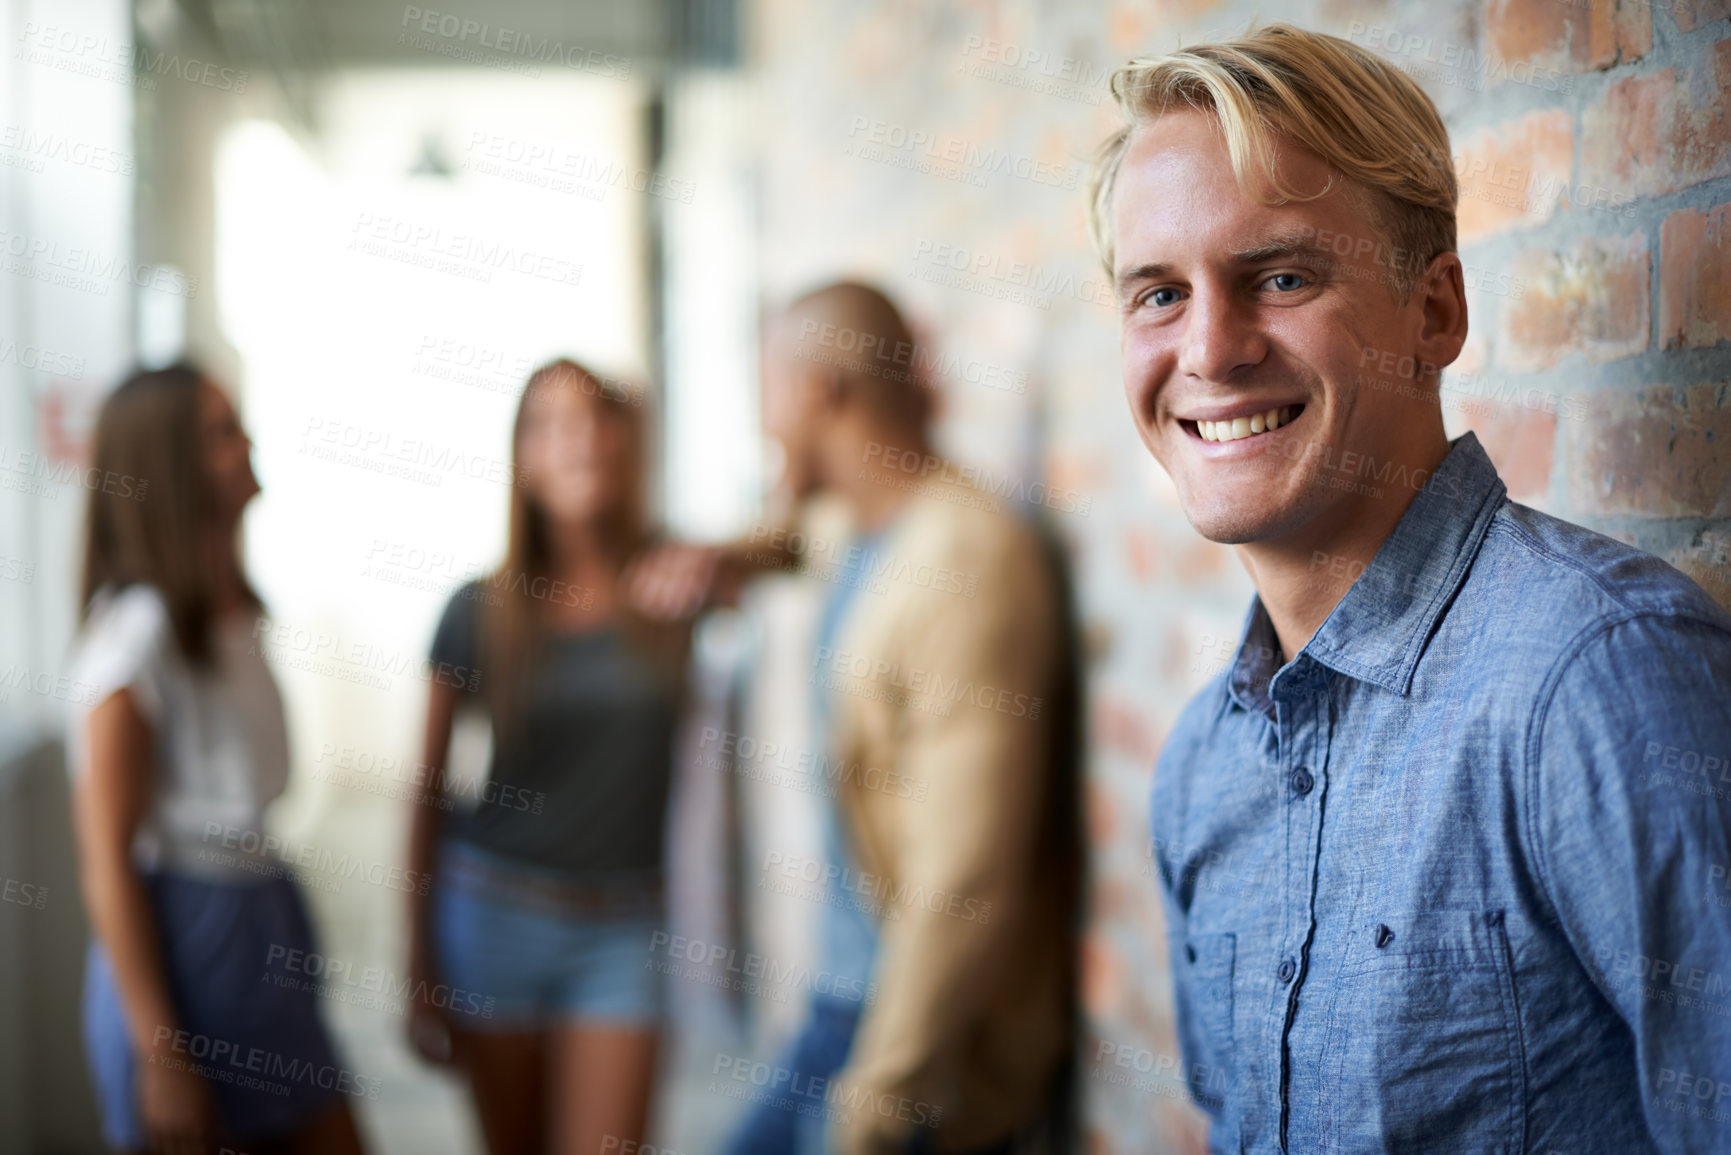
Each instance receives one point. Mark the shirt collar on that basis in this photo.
(1378, 630)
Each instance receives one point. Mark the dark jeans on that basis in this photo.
(790, 1120)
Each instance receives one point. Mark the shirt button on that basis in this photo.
(1301, 781)
(1288, 968)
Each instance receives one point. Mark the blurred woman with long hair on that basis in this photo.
(547, 889)
(177, 743)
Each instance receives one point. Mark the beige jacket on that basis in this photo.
(944, 674)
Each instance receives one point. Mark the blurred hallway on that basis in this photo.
(373, 220)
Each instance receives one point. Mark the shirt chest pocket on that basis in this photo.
(1423, 1053)
(1205, 1029)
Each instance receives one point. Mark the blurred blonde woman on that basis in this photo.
(181, 733)
(547, 890)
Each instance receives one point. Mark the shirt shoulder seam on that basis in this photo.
(1531, 777)
(1586, 636)
(1609, 589)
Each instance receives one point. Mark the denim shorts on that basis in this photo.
(259, 1045)
(525, 949)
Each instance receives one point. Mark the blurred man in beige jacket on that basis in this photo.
(943, 662)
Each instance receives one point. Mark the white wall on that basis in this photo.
(66, 300)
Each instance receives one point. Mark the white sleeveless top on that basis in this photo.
(221, 743)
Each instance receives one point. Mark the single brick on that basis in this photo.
(1570, 35)
(1707, 559)
(1202, 562)
(1693, 14)
(1592, 298)
(1514, 173)
(1105, 819)
(1695, 278)
(1521, 442)
(1657, 451)
(1142, 550)
(1102, 978)
(1619, 31)
(1121, 727)
(1655, 134)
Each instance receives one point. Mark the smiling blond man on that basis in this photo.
(1438, 848)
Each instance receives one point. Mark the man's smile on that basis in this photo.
(1239, 422)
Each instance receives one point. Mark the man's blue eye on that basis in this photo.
(1287, 282)
(1164, 297)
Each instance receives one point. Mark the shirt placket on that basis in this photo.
(1303, 727)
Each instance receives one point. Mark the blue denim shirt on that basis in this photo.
(1454, 879)
(848, 923)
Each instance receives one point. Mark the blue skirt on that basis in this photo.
(260, 1046)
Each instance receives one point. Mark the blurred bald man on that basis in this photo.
(943, 673)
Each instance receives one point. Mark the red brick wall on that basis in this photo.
(1627, 291)
(1593, 140)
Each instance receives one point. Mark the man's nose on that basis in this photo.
(1221, 336)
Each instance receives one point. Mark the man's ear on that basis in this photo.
(1442, 295)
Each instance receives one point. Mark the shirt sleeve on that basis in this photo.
(457, 641)
(968, 846)
(1632, 750)
(127, 644)
(1201, 967)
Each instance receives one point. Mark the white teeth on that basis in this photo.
(1241, 427)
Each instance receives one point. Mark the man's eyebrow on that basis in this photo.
(1295, 244)
(1143, 272)
(1286, 245)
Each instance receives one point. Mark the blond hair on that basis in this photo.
(1360, 114)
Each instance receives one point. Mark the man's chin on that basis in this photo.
(1241, 521)
(1230, 533)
